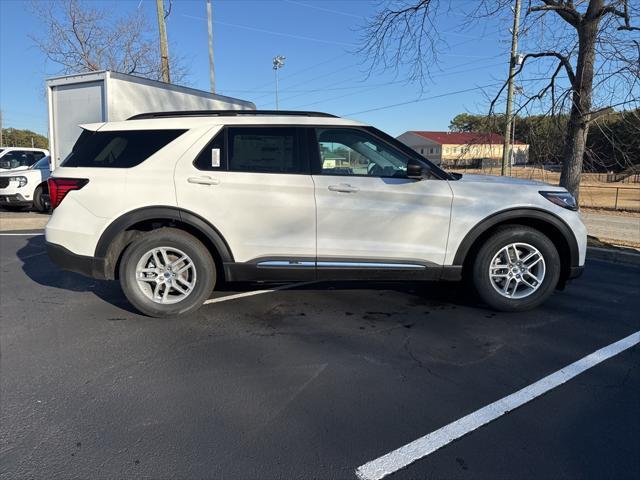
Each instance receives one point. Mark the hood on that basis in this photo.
(12, 170)
(469, 177)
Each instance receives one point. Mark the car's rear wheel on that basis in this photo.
(167, 272)
(516, 269)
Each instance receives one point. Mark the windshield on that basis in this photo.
(19, 158)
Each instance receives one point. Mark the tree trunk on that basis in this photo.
(578, 125)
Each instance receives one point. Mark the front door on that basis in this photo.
(368, 211)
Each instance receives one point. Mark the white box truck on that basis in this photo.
(108, 96)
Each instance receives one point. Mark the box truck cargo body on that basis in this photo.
(110, 96)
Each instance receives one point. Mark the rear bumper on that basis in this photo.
(72, 262)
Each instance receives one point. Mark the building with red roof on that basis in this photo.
(463, 149)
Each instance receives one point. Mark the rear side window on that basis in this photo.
(264, 150)
(212, 157)
(124, 149)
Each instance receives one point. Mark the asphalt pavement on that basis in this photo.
(308, 382)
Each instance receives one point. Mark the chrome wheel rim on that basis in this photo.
(166, 275)
(517, 270)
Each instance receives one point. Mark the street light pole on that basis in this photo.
(506, 150)
(278, 63)
(212, 74)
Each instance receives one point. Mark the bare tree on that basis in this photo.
(82, 38)
(588, 46)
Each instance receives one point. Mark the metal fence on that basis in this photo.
(610, 197)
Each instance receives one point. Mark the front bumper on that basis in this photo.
(72, 262)
(575, 272)
(15, 199)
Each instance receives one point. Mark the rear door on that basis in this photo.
(253, 184)
(369, 211)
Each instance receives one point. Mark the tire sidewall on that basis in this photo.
(506, 236)
(38, 201)
(167, 237)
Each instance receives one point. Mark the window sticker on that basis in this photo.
(215, 157)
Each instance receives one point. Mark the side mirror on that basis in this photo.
(415, 170)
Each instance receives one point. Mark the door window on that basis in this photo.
(264, 150)
(349, 151)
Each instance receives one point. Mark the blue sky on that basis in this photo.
(322, 72)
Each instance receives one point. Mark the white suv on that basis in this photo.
(173, 203)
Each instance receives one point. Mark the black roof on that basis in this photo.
(228, 113)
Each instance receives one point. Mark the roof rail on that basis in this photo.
(227, 113)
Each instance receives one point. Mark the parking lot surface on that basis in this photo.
(308, 382)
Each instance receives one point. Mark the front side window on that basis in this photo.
(120, 149)
(349, 151)
(42, 164)
(264, 150)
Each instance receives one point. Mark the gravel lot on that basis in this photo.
(309, 382)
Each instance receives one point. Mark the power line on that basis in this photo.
(325, 87)
(315, 7)
(424, 99)
(271, 32)
(372, 87)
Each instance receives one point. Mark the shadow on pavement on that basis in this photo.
(37, 266)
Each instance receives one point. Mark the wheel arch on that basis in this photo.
(551, 225)
(126, 228)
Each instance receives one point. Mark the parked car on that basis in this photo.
(26, 187)
(20, 158)
(171, 204)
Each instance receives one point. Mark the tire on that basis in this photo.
(523, 292)
(38, 200)
(162, 297)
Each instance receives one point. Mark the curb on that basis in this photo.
(613, 255)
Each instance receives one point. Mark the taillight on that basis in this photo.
(59, 187)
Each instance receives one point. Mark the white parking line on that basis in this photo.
(403, 456)
(255, 292)
(20, 234)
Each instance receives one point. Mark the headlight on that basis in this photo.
(22, 181)
(562, 199)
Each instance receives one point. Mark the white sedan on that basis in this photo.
(26, 188)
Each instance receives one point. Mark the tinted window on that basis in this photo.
(348, 151)
(212, 157)
(123, 149)
(264, 149)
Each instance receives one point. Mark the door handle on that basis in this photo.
(343, 187)
(204, 180)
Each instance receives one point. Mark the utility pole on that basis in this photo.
(164, 49)
(212, 73)
(278, 63)
(506, 150)
(0, 128)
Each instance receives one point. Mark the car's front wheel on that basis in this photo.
(167, 272)
(516, 269)
(39, 203)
